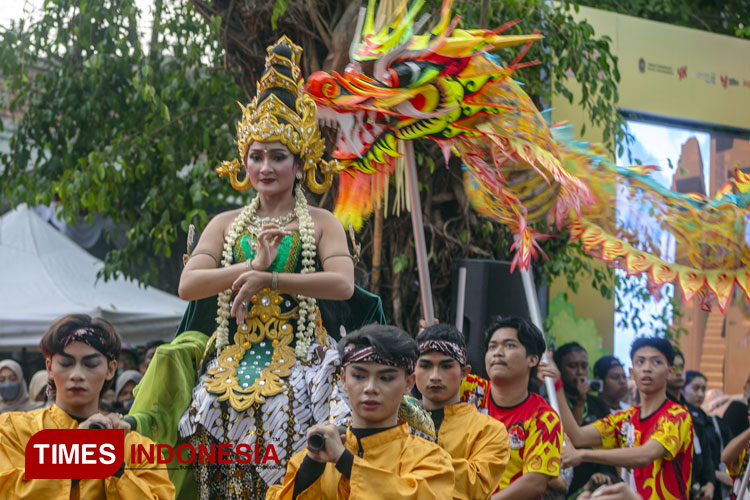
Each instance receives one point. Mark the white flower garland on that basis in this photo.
(307, 305)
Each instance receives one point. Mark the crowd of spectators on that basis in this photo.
(592, 393)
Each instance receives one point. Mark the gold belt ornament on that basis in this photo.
(265, 322)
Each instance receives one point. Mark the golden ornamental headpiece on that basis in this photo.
(282, 111)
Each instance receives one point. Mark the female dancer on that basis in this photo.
(275, 264)
(274, 372)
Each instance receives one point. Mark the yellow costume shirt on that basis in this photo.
(391, 464)
(16, 428)
(479, 448)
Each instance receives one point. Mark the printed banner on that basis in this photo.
(677, 72)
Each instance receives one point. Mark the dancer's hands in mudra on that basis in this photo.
(251, 282)
(247, 285)
(267, 246)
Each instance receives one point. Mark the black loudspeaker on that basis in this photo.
(489, 290)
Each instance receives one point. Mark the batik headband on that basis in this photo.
(451, 349)
(368, 354)
(89, 336)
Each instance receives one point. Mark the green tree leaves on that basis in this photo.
(729, 17)
(109, 129)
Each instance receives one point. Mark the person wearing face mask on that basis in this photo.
(13, 393)
(81, 357)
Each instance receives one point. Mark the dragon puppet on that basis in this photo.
(445, 85)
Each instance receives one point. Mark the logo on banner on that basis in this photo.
(74, 453)
(728, 81)
(100, 453)
(709, 78)
(682, 72)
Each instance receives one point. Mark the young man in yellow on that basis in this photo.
(478, 444)
(81, 357)
(380, 459)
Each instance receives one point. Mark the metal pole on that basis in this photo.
(743, 485)
(377, 248)
(461, 300)
(536, 318)
(425, 287)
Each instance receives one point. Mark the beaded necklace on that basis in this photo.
(307, 305)
(279, 221)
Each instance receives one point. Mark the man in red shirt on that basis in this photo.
(514, 348)
(653, 439)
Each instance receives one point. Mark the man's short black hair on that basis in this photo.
(153, 343)
(604, 364)
(530, 337)
(662, 345)
(390, 342)
(566, 349)
(150, 345)
(442, 331)
(691, 374)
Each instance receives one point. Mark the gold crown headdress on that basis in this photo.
(268, 118)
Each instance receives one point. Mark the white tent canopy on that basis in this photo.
(44, 275)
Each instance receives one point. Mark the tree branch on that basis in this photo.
(172, 121)
(323, 32)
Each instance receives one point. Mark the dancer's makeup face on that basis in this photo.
(439, 378)
(375, 393)
(79, 372)
(271, 167)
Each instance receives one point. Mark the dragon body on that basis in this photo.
(445, 85)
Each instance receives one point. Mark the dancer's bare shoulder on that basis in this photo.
(324, 220)
(322, 215)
